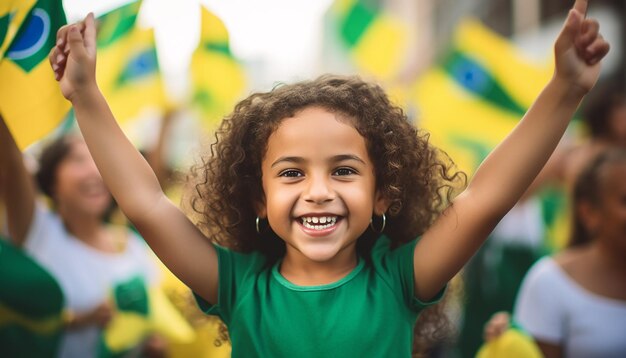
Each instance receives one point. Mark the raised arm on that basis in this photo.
(508, 171)
(172, 236)
(17, 190)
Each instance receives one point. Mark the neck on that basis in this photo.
(84, 227)
(610, 257)
(302, 271)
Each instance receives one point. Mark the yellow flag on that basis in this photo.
(218, 80)
(128, 69)
(477, 94)
(376, 41)
(30, 99)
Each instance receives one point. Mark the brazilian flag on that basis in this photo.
(128, 69)
(30, 99)
(376, 41)
(141, 311)
(475, 96)
(12, 14)
(31, 305)
(218, 79)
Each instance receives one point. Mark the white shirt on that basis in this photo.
(555, 309)
(85, 274)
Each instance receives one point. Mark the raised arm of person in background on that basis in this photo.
(172, 236)
(17, 191)
(512, 166)
(156, 156)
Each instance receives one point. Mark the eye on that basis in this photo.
(344, 171)
(290, 173)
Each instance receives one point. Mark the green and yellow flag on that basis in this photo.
(477, 94)
(141, 311)
(218, 79)
(30, 99)
(128, 68)
(376, 41)
(12, 14)
(31, 306)
(474, 98)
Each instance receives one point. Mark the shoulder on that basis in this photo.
(544, 271)
(46, 232)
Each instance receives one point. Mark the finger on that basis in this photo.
(588, 34)
(75, 40)
(570, 30)
(62, 35)
(90, 34)
(52, 56)
(581, 7)
(596, 51)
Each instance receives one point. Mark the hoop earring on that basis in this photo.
(257, 225)
(382, 227)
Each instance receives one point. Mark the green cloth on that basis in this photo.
(31, 303)
(369, 313)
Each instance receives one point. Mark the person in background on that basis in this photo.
(92, 260)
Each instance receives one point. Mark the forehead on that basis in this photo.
(316, 131)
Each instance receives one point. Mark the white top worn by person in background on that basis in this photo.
(554, 308)
(85, 274)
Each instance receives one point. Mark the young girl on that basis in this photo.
(319, 190)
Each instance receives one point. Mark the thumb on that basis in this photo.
(75, 40)
(570, 30)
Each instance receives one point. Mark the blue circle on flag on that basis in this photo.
(32, 36)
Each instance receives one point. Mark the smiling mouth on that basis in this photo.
(319, 222)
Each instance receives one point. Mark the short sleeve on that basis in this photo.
(395, 267)
(237, 273)
(539, 307)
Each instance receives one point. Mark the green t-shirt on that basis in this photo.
(369, 313)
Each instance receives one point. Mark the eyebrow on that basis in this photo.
(334, 159)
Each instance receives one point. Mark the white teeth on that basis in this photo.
(326, 221)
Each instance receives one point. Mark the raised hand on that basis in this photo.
(579, 48)
(73, 59)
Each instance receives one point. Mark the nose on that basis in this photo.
(319, 190)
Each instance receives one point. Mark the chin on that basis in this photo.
(320, 253)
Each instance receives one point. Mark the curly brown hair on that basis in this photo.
(418, 179)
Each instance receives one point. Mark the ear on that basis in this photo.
(260, 209)
(381, 203)
(589, 216)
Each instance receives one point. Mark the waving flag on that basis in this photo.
(475, 97)
(217, 78)
(12, 14)
(29, 325)
(30, 99)
(128, 68)
(376, 41)
(141, 311)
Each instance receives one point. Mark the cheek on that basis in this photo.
(280, 203)
(65, 181)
